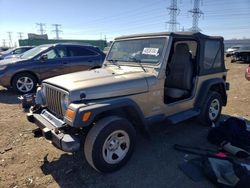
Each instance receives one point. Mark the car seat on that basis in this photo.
(178, 81)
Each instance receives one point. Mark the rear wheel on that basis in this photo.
(109, 144)
(211, 109)
(24, 83)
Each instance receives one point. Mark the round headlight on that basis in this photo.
(65, 101)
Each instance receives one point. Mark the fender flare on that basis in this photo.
(104, 106)
(206, 86)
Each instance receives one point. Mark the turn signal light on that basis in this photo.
(70, 113)
(86, 116)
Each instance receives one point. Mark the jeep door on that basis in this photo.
(80, 58)
(181, 76)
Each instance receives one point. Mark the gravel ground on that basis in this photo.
(26, 161)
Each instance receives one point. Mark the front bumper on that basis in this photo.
(64, 141)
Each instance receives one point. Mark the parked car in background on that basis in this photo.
(14, 52)
(2, 49)
(232, 49)
(242, 54)
(45, 61)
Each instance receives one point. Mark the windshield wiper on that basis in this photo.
(139, 62)
(114, 62)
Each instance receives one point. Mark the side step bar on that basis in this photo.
(177, 118)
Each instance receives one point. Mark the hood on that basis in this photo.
(103, 82)
(11, 61)
(231, 50)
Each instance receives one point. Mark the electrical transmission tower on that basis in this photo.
(174, 12)
(196, 14)
(41, 29)
(10, 39)
(57, 30)
(20, 35)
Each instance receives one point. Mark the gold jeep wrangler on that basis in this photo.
(145, 79)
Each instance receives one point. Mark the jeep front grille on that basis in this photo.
(53, 100)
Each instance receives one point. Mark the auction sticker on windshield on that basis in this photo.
(151, 51)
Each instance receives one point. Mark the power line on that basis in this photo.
(133, 12)
(126, 23)
(173, 11)
(137, 20)
(41, 29)
(196, 14)
(57, 30)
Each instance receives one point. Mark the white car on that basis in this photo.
(232, 49)
(14, 52)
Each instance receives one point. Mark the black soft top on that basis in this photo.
(201, 39)
(197, 35)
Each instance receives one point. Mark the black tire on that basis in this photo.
(232, 61)
(206, 116)
(31, 81)
(99, 134)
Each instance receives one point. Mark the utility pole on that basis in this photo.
(20, 35)
(174, 12)
(57, 30)
(4, 43)
(10, 39)
(196, 14)
(41, 29)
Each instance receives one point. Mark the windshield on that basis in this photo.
(33, 52)
(138, 50)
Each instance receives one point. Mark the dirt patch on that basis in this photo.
(26, 161)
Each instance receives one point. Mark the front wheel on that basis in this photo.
(109, 144)
(211, 109)
(24, 83)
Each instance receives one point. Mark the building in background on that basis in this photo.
(36, 40)
(36, 36)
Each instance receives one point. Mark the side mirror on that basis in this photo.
(43, 57)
